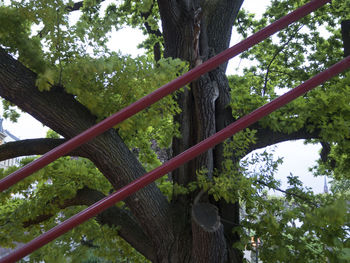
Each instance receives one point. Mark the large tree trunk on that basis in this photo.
(195, 31)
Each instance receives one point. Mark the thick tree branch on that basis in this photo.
(63, 114)
(33, 147)
(326, 149)
(129, 229)
(267, 137)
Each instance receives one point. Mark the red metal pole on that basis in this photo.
(177, 161)
(158, 94)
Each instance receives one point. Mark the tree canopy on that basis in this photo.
(56, 64)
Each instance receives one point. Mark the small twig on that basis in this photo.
(275, 56)
(287, 193)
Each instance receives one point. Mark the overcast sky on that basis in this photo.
(297, 156)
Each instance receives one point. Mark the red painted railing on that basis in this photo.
(183, 157)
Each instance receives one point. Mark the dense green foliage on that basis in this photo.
(309, 228)
(72, 52)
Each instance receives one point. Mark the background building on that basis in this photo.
(6, 136)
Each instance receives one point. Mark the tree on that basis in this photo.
(63, 74)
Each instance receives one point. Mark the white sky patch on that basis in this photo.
(236, 64)
(26, 127)
(126, 41)
(297, 159)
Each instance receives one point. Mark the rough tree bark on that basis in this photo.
(345, 31)
(191, 228)
(195, 31)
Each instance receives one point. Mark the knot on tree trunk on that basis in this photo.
(209, 243)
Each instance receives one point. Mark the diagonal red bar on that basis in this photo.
(177, 161)
(159, 94)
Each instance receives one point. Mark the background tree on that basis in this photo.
(63, 74)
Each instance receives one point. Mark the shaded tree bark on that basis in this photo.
(345, 31)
